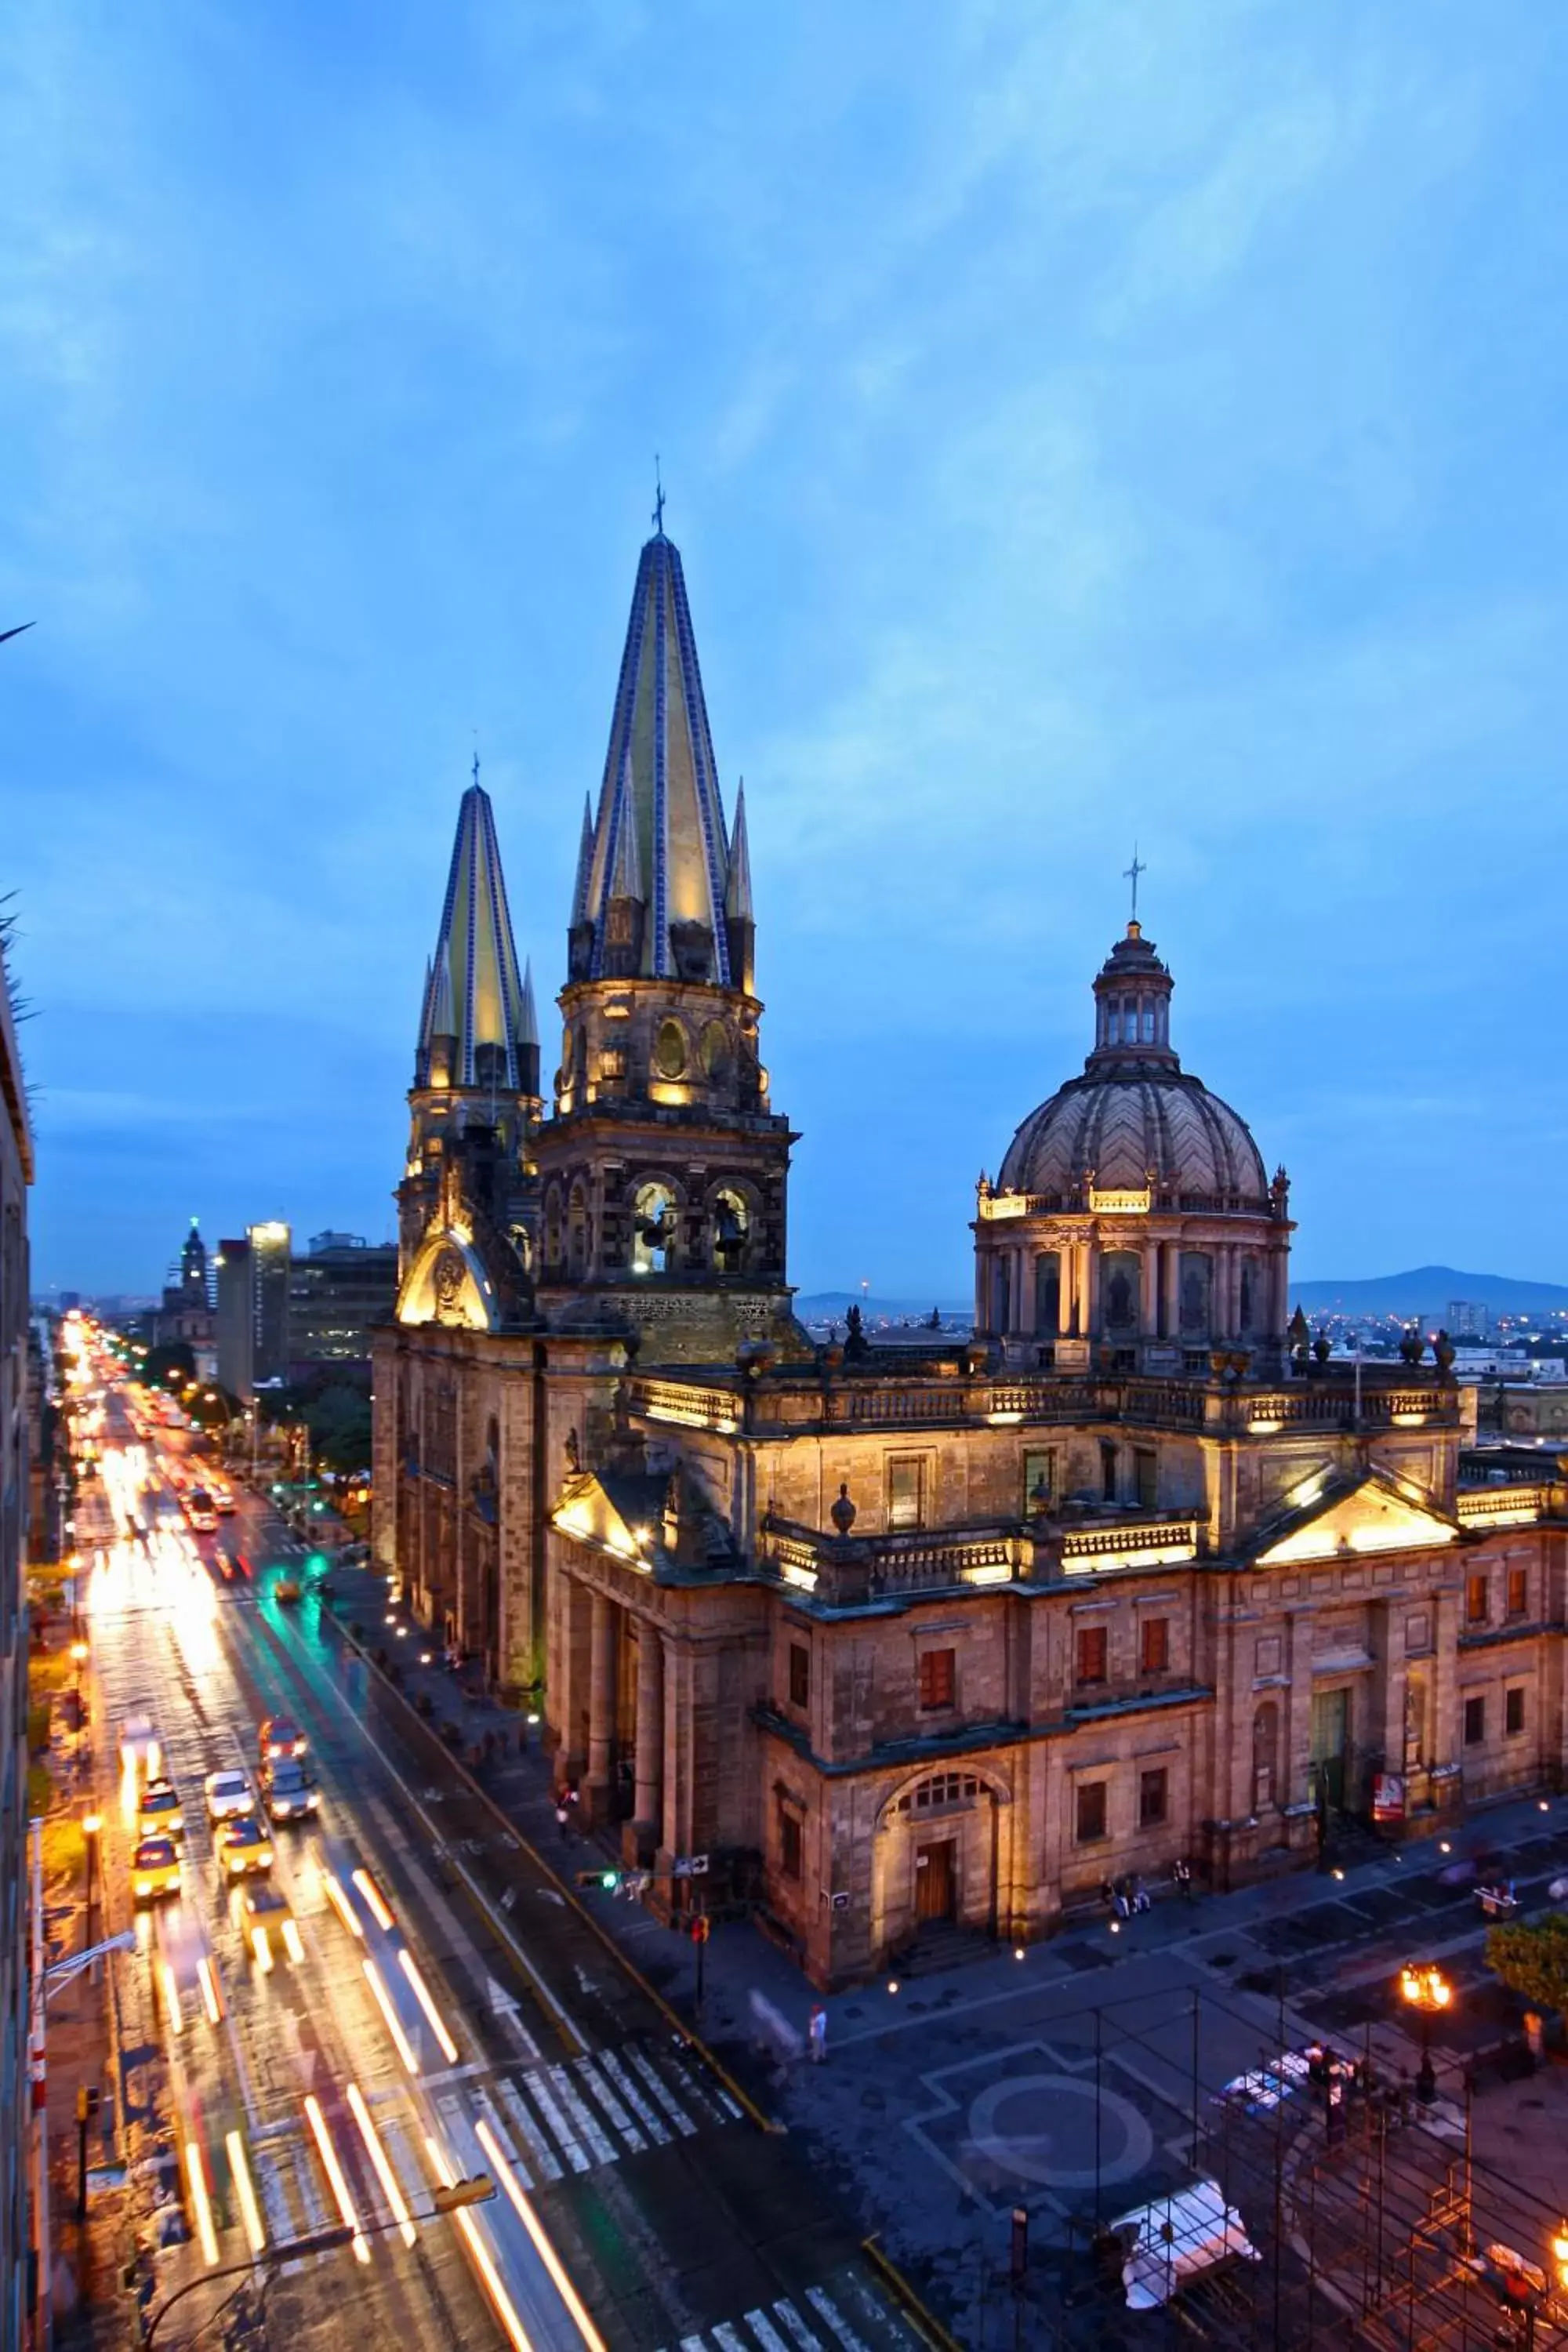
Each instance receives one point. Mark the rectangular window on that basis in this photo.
(1153, 1788)
(1475, 1722)
(1090, 1811)
(1093, 1647)
(937, 1679)
(1514, 1710)
(906, 1490)
(799, 1675)
(789, 1844)
(1155, 1645)
(1107, 1470)
(1039, 1482)
(1475, 1600)
(1519, 1592)
(1146, 1476)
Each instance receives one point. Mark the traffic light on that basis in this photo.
(701, 1926)
(317, 1563)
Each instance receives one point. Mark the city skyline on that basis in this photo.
(334, 471)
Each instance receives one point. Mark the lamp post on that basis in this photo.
(1428, 1992)
(92, 1825)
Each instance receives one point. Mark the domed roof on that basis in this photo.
(1135, 1118)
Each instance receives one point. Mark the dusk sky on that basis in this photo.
(1082, 426)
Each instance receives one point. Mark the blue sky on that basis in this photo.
(1081, 425)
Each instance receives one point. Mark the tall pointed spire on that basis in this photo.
(527, 1030)
(738, 893)
(476, 994)
(585, 865)
(661, 786)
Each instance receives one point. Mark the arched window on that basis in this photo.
(577, 1234)
(1001, 1295)
(1197, 1275)
(670, 1050)
(1119, 1278)
(1264, 1755)
(943, 1792)
(1248, 1292)
(716, 1053)
(653, 1229)
(1047, 1293)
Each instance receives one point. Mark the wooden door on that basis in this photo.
(935, 1881)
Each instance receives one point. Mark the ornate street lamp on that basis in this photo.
(1428, 1992)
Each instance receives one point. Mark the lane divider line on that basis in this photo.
(522, 2206)
(336, 2176)
(384, 2171)
(245, 2190)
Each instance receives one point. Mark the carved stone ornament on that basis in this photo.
(842, 1513)
(447, 1285)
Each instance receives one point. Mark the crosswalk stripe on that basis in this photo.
(539, 2093)
(534, 2138)
(725, 2335)
(589, 2075)
(693, 2344)
(492, 2116)
(280, 2220)
(822, 2303)
(798, 2328)
(765, 2331)
(404, 2162)
(634, 2098)
(646, 2068)
(708, 2098)
(580, 2116)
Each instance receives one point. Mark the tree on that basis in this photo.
(1531, 1959)
(160, 1364)
(339, 1421)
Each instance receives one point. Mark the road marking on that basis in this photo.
(634, 2098)
(528, 2131)
(540, 2094)
(677, 2113)
(505, 2008)
(765, 2331)
(798, 2328)
(822, 2303)
(620, 2121)
(489, 2116)
(725, 2335)
(583, 2117)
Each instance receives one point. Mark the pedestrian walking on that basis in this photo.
(563, 1818)
(1184, 1877)
(817, 2033)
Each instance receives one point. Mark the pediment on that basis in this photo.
(1360, 1512)
(447, 1284)
(626, 1523)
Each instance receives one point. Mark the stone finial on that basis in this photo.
(573, 1452)
(842, 1513)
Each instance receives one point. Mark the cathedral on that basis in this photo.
(863, 1643)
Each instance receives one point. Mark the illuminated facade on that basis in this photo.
(893, 1642)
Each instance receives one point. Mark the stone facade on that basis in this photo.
(880, 1643)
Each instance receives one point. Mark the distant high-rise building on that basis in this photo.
(1467, 1319)
(185, 1317)
(252, 1320)
(15, 2120)
(337, 1296)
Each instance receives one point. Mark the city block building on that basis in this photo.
(947, 1637)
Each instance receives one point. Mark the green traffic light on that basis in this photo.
(317, 1562)
(609, 1880)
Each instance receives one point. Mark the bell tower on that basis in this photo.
(467, 1205)
(663, 1171)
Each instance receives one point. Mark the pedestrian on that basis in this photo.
(817, 2033)
(1139, 1895)
(563, 1818)
(1183, 1877)
(1123, 1906)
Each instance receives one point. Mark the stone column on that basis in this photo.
(600, 1707)
(1149, 1290)
(1172, 1290)
(1090, 1319)
(1066, 1302)
(647, 1811)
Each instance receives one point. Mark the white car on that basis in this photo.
(139, 1751)
(229, 1795)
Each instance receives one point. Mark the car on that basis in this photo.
(286, 1588)
(140, 1754)
(242, 1845)
(287, 1792)
(280, 1735)
(155, 1870)
(229, 1796)
(269, 1924)
(160, 1813)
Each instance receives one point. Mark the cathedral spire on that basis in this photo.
(476, 996)
(585, 865)
(661, 816)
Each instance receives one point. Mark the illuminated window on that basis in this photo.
(906, 1490)
(1476, 1607)
(653, 1229)
(1093, 1652)
(938, 1676)
(1039, 1482)
(1155, 1645)
(1091, 1812)
(1519, 1592)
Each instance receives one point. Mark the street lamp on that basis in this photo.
(1428, 1992)
(1560, 2254)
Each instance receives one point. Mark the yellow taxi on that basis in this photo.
(155, 1870)
(243, 1845)
(269, 1924)
(159, 1812)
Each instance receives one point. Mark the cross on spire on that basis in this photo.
(1130, 874)
(657, 498)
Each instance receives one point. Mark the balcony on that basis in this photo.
(1512, 1506)
(849, 1572)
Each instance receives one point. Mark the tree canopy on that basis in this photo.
(1531, 1959)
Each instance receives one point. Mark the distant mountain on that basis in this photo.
(1426, 1290)
(829, 1306)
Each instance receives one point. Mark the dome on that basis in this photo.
(1135, 1119)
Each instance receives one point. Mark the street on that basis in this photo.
(435, 2011)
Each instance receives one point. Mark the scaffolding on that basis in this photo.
(1372, 2224)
